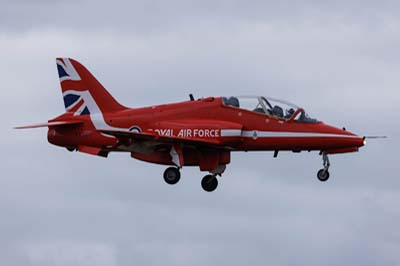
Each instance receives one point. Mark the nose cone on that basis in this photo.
(342, 139)
(353, 139)
(358, 141)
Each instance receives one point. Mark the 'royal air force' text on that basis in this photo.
(189, 133)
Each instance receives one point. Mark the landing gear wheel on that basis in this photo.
(209, 183)
(71, 149)
(172, 175)
(323, 175)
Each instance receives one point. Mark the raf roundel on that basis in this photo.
(135, 129)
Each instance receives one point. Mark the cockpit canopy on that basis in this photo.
(269, 106)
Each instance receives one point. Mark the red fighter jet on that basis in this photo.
(200, 132)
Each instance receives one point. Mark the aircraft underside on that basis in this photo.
(209, 160)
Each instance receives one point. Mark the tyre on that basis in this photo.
(172, 175)
(209, 183)
(323, 175)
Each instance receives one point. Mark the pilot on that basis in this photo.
(289, 113)
(277, 111)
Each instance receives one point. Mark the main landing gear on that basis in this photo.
(323, 174)
(172, 175)
(209, 183)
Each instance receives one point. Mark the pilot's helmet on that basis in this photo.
(290, 111)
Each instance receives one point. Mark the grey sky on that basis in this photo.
(338, 59)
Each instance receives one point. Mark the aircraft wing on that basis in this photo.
(214, 142)
(138, 137)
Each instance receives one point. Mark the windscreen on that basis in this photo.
(269, 106)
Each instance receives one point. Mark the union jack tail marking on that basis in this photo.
(82, 93)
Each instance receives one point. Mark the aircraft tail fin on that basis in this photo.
(82, 93)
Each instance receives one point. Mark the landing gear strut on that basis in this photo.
(323, 174)
(209, 183)
(172, 175)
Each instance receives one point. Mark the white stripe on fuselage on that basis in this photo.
(276, 134)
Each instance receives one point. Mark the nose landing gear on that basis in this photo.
(323, 174)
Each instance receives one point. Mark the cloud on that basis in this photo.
(70, 253)
(145, 17)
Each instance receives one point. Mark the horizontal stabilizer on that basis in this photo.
(51, 124)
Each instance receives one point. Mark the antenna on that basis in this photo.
(375, 137)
